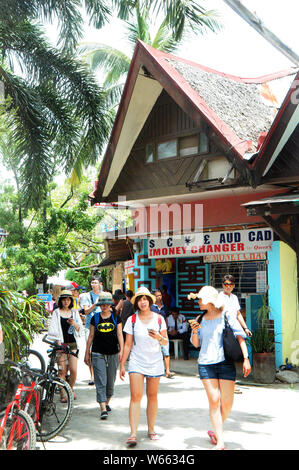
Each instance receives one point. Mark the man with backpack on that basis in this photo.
(90, 307)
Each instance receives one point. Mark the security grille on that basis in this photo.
(250, 277)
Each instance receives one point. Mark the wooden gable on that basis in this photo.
(162, 177)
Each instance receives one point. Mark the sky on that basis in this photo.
(237, 49)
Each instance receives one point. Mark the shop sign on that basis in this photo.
(201, 244)
(129, 267)
(232, 258)
(44, 297)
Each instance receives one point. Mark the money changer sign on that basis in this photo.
(201, 244)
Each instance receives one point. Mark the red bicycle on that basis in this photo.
(17, 431)
(40, 395)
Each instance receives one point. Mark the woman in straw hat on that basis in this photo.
(66, 326)
(218, 375)
(145, 332)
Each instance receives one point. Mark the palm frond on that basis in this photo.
(112, 61)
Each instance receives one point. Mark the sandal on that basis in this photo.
(212, 437)
(74, 395)
(169, 376)
(63, 399)
(153, 436)
(131, 441)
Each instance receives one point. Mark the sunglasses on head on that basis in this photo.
(228, 284)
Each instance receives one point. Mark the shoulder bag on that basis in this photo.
(231, 346)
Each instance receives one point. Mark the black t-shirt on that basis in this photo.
(105, 339)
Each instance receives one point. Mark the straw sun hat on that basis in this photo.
(208, 295)
(142, 290)
(66, 293)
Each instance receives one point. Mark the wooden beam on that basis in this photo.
(259, 26)
(276, 209)
(280, 232)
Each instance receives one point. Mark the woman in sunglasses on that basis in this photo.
(231, 302)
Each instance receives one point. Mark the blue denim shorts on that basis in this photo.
(223, 370)
(165, 349)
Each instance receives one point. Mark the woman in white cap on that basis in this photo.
(66, 326)
(104, 349)
(218, 375)
(145, 332)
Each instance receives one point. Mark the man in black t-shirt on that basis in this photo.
(104, 350)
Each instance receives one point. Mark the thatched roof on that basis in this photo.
(238, 103)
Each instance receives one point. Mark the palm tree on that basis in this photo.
(56, 113)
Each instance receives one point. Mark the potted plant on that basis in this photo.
(262, 344)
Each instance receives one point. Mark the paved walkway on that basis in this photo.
(263, 417)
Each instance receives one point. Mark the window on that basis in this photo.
(149, 151)
(167, 149)
(196, 144)
(188, 145)
(203, 143)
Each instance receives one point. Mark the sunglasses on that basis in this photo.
(228, 284)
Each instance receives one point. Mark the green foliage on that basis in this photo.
(82, 277)
(20, 318)
(262, 340)
(51, 239)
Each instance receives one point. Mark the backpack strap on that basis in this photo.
(133, 325)
(96, 319)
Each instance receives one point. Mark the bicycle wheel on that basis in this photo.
(19, 432)
(35, 360)
(54, 415)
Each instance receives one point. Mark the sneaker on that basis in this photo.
(104, 415)
(108, 408)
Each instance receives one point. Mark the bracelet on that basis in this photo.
(246, 357)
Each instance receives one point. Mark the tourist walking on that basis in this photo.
(145, 332)
(104, 350)
(218, 375)
(90, 306)
(66, 326)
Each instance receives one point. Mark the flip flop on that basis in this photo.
(131, 441)
(212, 437)
(153, 436)
(169, 376)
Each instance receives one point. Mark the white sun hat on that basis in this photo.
(208, 295)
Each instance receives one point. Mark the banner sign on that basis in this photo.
(236, 257)
(202, 244)
(44, 297)
(129, 267)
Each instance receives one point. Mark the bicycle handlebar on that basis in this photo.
(22, 366)
(60, 347)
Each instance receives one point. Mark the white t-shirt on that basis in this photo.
(146, 355)
(230, 302)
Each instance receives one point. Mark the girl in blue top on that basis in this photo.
(218, 375)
